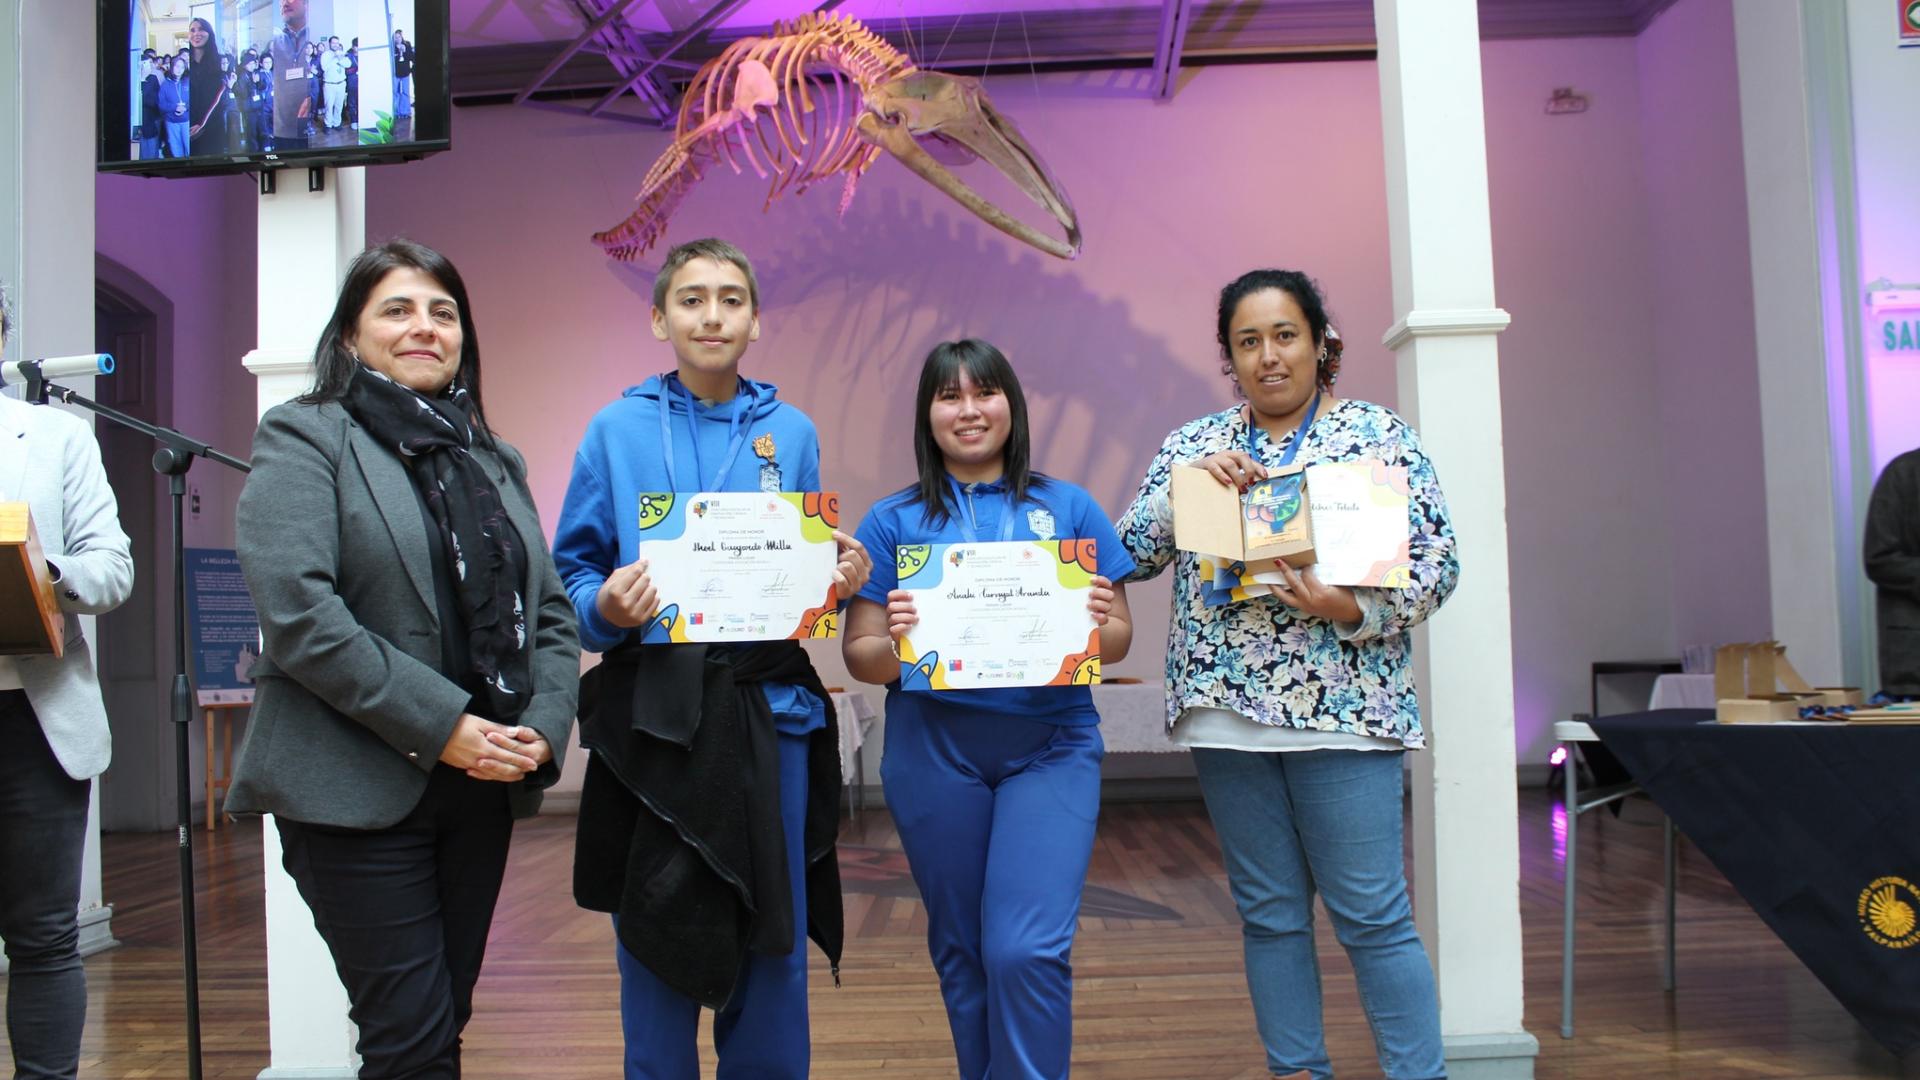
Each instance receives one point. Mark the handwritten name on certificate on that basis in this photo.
(999, 615)
(740, 565)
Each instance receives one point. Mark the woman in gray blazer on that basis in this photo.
(420, 667)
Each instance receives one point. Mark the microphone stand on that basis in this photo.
(172, 460)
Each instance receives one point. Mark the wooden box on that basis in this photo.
(1748, 682)
(30, 618)
(1269, 524)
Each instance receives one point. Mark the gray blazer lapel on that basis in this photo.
(393, 493)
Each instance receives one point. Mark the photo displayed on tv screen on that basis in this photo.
(244, 77)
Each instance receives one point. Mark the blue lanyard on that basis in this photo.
(738, 428)
(965, 521)
(1299, 433)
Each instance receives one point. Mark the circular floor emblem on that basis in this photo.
(1890, 912)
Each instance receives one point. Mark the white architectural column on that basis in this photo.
(1797, 141)
(306, 241)
(46, 248)
(1466, 851)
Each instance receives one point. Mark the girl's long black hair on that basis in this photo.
(989, 370)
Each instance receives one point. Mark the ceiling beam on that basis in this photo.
(701, 25)
(637, 56)
(599, 23)
(1174, 17)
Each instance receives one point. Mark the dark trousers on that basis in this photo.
(405, 912)
(43, 831)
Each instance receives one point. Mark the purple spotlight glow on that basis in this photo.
(1558, 757)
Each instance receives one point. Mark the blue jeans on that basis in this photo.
(402, 99)
(997, 814)
(761, 1034)
(178, 143)
(1326, 820)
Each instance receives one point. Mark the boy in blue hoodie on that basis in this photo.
(710, 806)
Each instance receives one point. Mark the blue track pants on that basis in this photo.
(996, 813)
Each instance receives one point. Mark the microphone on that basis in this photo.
(17, 372)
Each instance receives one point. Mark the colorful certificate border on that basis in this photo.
(663, 516)
(921, 566)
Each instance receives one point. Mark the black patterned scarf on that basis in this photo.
(435, 437)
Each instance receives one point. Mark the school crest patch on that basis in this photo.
(769, 466)
(1040, 520)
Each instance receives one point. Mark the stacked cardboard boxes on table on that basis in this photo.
(1756, 683)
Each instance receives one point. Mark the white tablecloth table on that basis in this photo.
(1133, 718)
(1682, 692)
(857, 715)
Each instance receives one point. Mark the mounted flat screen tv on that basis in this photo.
(192, 87)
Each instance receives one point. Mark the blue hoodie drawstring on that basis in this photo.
(739, 429)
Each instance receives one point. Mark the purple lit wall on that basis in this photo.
(1571, 258)
(1705, 391)
(1886, 83)
(194, 241)
(1248, 166)
(1628, 427)
(1115, 349)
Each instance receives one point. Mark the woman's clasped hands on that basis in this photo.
(490, 751)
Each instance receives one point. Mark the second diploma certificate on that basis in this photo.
(999, 615)
(740, 565)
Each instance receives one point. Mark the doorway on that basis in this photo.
(134, 322)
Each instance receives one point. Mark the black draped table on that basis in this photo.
(1815, 825)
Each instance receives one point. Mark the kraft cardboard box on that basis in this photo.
(1269, 524)
(1830, 696)
(1747, 682)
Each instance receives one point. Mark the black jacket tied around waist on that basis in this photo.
(680, 832)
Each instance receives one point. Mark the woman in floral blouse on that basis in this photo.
(1298, 705)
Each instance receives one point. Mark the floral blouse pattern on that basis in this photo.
(1262, 659)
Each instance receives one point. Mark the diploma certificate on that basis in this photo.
(1361, 532)
(999, 615)
(740, 565)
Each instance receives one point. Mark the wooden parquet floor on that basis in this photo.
(1158, 981)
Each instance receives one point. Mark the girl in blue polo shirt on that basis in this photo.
(995, 792)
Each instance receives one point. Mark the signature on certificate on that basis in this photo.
(1037, 630)
(713, 587)
(970, 636)
(780, 584)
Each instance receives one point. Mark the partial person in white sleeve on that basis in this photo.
(1298, 705)
(52, 718)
